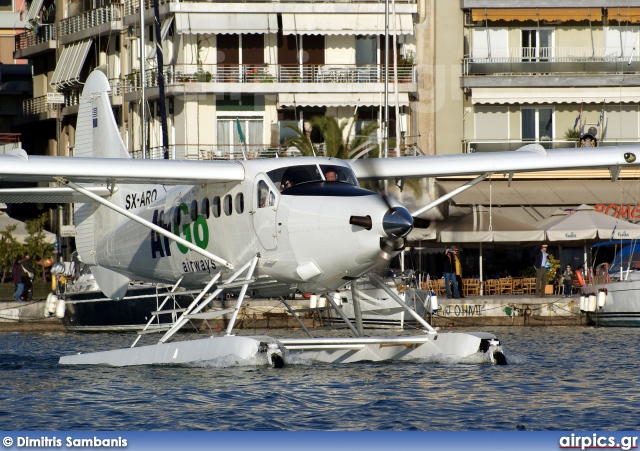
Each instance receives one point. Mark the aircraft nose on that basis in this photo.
(397, 222)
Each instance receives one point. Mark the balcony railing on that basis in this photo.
(39, 105)
(236, 151)
(90, 19)
(44, 33)
(276, 73)
(518, 60)
(514, 144)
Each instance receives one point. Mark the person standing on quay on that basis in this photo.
(27, 277)
(540, 263)
(17, 280)
(449, 272)
(567, 279)
(458, 270)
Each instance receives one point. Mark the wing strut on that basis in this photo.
(448, 196)
(145, 223)
(377, 281)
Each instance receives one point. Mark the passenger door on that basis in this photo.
(264, 213)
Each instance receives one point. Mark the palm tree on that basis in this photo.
(333, 133)
(339, 146)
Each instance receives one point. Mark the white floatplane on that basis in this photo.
(268, 226)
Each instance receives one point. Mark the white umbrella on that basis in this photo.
(587, 224)
(21, 233)
(485, 227)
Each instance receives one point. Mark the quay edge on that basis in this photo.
(476, 311)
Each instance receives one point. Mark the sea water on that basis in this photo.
(558, 378)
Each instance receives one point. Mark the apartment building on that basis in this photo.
(562, 73)
(262, 64)
(472, 76)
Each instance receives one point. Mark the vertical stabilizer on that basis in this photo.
(97, 133)
(97, 136)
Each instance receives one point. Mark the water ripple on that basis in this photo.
(557, 379)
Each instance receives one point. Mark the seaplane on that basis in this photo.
(267, 227)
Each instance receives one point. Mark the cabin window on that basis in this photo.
(205, 208)
(193, 211)
(215, 204)
(176, 216)
(227, 205)
(239, 203)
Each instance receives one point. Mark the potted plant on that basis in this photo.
(203, 76)
(572, 134)
(551, 273)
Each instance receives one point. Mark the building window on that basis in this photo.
(490, 43)
(620, 41)
(366, 50)
(537, 124)
(228, 135)
(537, 44)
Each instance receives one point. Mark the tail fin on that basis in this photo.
(97, 133)
(97, 136)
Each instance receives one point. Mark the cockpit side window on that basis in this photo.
(337, 174)
(263, 194)
(266, 198)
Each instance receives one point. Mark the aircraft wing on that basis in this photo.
(530, 158)
(23, 168)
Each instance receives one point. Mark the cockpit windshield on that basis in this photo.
(285, 178)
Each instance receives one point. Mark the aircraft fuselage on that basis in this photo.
(304, 233)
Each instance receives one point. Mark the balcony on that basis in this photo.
(236, 151)
(473, 146)
(263, 77)
(39, 105)
(100, 17)
(551, 66)
(34, 42)
(584, 62)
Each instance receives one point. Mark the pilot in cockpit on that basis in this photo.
(284, 184)
(330, 175)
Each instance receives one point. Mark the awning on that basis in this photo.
(544, 192)
(164, 30)
(339, 99)
(537, 14)
(231, 23)
(34, 9)
(344, 24)
(624, 14)
(70, 64)
(550, 95)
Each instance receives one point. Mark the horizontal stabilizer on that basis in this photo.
(114, 285)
